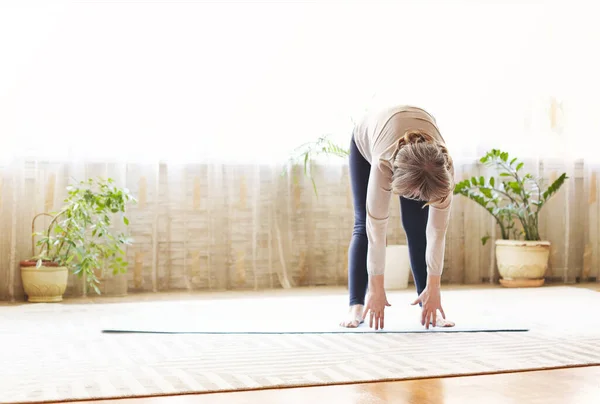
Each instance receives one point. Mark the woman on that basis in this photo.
(398, 150)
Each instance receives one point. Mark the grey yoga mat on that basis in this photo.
(294, 315)
(360, 330)
(161, 325)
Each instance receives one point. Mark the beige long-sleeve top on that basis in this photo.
(376, 137)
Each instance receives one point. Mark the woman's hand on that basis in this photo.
(376, 302)
(431, 300)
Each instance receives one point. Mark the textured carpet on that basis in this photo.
(58, 352)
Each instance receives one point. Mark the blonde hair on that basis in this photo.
(423, 168)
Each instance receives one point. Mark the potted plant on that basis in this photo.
(515, 200)
(307, 153)
(397, 256)
(79, 238)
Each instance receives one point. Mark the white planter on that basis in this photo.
(44, 284)
(522, 263)
(397, 267)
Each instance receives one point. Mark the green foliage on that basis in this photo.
(514, 198)
(82, 237)
(307, 153)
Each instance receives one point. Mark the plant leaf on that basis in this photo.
(554, 187)
(487, 192)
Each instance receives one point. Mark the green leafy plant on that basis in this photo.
(514, 198)
(81, 236)
(307, 153)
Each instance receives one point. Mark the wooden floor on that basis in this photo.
(564, 386)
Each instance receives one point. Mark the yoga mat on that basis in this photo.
(231, 324)
(341, 331)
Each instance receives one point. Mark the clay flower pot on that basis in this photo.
(522, 263)
(44, 284)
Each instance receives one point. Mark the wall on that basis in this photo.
(201, 227)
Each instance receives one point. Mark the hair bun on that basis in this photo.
(412, 136)
(415, 136)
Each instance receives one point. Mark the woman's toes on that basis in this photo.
(444, 323)
(350, 323)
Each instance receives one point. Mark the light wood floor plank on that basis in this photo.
(573, 386)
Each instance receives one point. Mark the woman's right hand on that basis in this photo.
(376, 302)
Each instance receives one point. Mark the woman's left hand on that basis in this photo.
(431, 300)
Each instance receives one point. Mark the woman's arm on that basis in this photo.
(378, 201)
(437, 224)
(378, 204)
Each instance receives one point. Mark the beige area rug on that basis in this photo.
(57, 351)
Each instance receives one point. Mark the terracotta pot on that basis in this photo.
(522, 263)
(45, 284)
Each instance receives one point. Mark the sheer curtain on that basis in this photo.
(196, 106)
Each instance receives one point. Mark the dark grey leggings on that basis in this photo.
(414, 221)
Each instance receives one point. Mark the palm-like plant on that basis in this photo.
(307, 153)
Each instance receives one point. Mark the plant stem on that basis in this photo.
(525, 201)
(502, 229)
(538, 207)
(52, 223)
(62, 243)
(500, 192)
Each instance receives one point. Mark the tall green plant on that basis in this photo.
(307, 153)
(81, 236)
(514, 198)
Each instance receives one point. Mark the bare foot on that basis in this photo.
(440, 322)
(354, 317)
